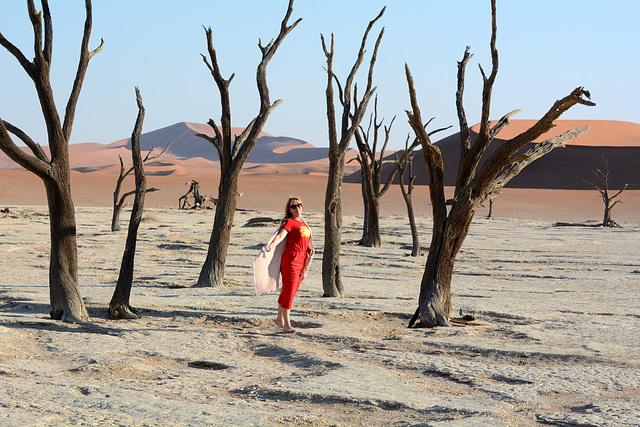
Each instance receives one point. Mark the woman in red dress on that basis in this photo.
(296, 255)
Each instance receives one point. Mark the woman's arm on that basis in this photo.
(311, 249)
(279, 238)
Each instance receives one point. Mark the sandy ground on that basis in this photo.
(556, 341)
(269, 192)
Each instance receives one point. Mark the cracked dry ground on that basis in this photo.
(375, 371)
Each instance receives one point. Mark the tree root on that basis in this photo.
(122, 311)
(431, 318)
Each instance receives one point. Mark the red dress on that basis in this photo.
(294, 260)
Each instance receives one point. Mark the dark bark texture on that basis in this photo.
(475, 183)
(119, 202)
(353, 111)
(404, 165)
(66, 301)
(119, 307)
(233, 153)
(370, 169)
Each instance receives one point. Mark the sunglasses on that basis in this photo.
(299, 205)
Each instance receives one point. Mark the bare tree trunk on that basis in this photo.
(435, 287)
(212, 272)
(233, 154)
(119, 307)
(119, 202)
(606, 220)
(338, 145)
(331, 279)
(403, 165)
(370, 172)
(365, 204)
(370, 176)
(365, 215)
(372, 239)
(66, 302)
(473, 185)
(371, 169)
(415, 238)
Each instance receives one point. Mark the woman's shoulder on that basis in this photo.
(288, 222)
(291, 222)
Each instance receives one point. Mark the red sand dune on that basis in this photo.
(563, 168)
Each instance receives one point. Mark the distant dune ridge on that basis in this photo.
(563, 168)
(189, 155)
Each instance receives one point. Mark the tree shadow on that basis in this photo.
(21, 306)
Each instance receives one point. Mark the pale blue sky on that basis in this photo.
(546, 48)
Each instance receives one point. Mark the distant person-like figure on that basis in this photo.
(295, 258)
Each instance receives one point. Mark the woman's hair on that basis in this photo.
(287, 210)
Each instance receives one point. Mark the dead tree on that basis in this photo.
(119, 307)
(194, 189)
(119, 202)
(475, 184)
(66, 302)
(234, 153)
(371, 170)
(405, 164)
(338, 145)
(609, 200)
(490, 208)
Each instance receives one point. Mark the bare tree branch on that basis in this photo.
(331, 112)
(537, 151)
(503, 155)
(48, 33)
(504, 121)
(22, 60)
(431, 154)
(360, 57)
(362, 107)
(38, 166)
(465, 138)
(35, 148)
(83, 63)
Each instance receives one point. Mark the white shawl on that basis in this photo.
(266, 267)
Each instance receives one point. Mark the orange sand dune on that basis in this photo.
(564, 168)
(603, 133)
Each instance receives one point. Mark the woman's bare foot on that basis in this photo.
(287, 329)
